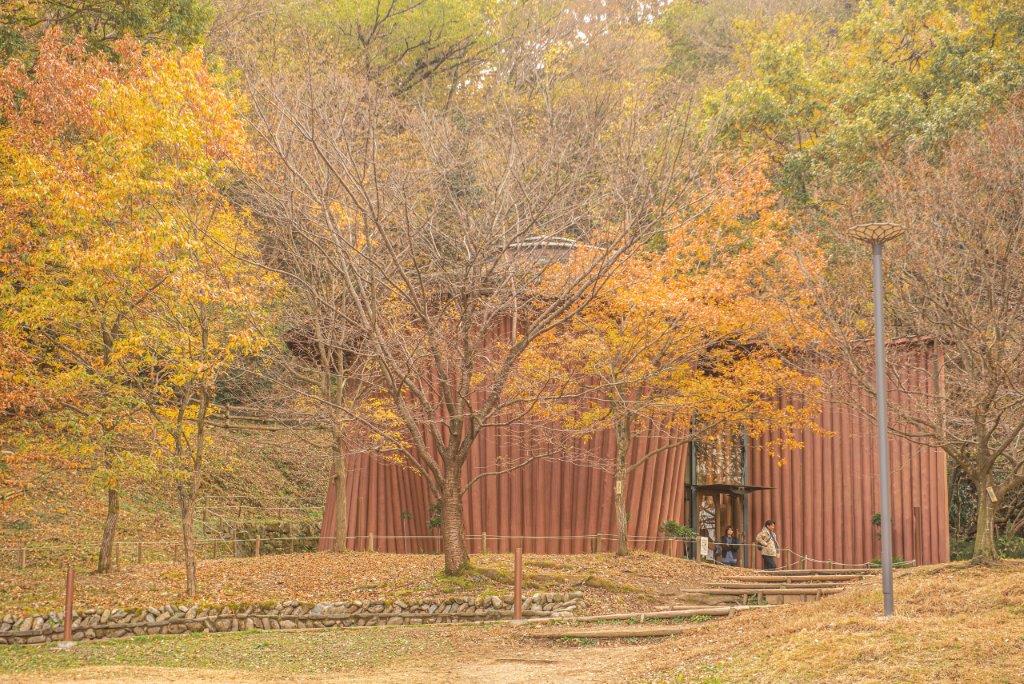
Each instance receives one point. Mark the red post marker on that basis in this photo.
(517, 600)
(69, 600)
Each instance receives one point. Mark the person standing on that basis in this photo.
(769, 545)
(730, 547)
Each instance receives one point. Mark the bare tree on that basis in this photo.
(441, 223)
(325, 369)
(957, 280)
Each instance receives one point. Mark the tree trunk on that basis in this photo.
(189, 492)
(622, 440)
(188, 537)
(106, 563)
(984, 531)
(340, 496)
(456, 558)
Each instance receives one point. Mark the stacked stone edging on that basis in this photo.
(112, 623)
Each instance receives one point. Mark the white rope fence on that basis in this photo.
(140, 551)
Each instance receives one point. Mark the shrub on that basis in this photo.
(1007, 546)
(678, 530)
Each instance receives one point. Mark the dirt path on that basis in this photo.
(591, 664)
(536, 664)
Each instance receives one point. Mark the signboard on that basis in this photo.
(704, 547)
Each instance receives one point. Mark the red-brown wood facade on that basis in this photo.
(823, 495)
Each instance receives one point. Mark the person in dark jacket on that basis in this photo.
(729, 547)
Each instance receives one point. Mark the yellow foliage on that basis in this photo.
(134, 278)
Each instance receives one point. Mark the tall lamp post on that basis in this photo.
(876, 235)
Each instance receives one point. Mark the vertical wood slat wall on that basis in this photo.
(836, 473)
(823, 495)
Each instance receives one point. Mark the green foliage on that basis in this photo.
(829, 101)
(1007, 546)
(434, 519)
(677, 530)
(103, 22)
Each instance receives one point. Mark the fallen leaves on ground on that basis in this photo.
(610, 583)
(955, 622)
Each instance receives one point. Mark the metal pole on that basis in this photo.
(883, 429)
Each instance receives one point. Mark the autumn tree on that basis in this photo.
(436, 219)
(214, 309)
(114, 183)
(690, 338)
(956, 279)
(61, 299)
(213, 315)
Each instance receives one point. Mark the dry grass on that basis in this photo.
(954, 623)
(609, 582)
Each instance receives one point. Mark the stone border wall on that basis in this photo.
(106, 624)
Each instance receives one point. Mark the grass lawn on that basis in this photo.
(278, 654)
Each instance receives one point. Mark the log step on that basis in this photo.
(795, 579)
(810, 587)
(618, 633)
(768, 591)
(823, 571)
(666, 614)
(727, 609)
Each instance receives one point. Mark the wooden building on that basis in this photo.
(823, 496)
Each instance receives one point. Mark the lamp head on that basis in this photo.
(873, 233)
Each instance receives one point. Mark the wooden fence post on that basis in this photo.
(69, 599)
(138, 555)
(23, 557)
(256, 549)
(593, 543)
(483, 541)
(370, 546)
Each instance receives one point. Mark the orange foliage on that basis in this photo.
(698, 334)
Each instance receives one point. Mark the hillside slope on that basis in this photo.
(64, 511)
